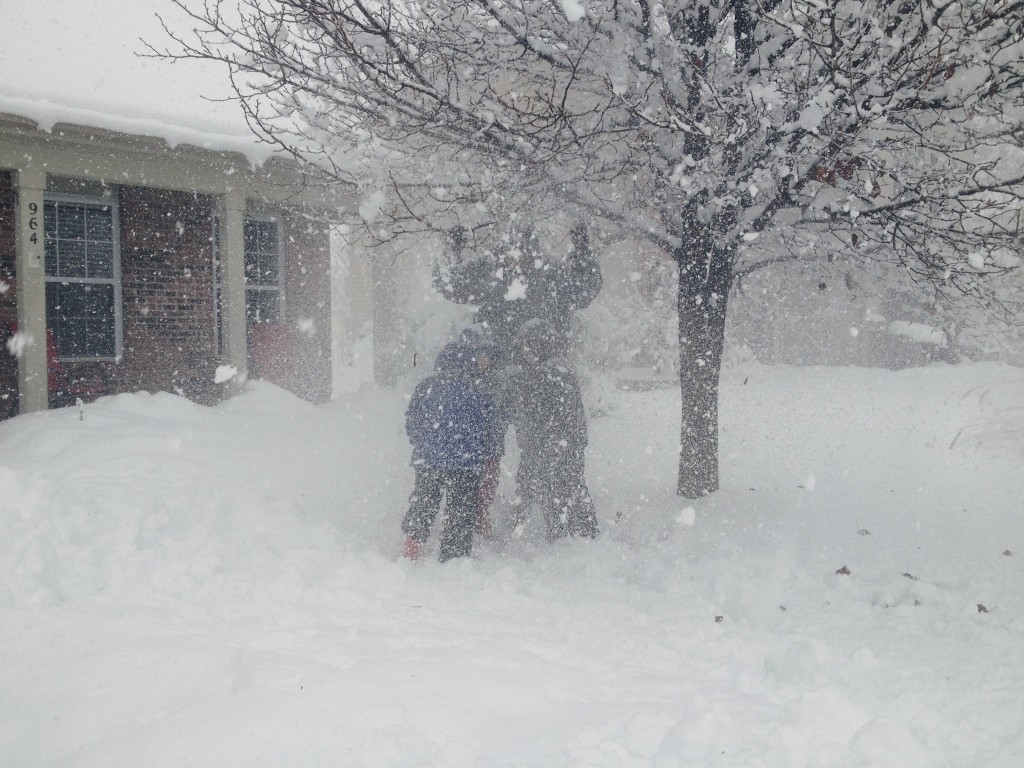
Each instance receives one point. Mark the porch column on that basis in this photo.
(33, 382)
(232, 291)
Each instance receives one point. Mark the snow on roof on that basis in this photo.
(79, 63)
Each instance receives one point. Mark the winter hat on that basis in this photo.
(479, 339)
(456, 359)
(474, 335)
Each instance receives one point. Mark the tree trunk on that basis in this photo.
(703, 297)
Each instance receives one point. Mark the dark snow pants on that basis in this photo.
(485, 496)
(460, 486)
(552, 477)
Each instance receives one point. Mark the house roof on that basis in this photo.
(79, 64)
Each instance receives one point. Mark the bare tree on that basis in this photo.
(730, 133)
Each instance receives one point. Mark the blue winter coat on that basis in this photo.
(452, 422)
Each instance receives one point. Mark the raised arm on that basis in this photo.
(458, 278)
(584, 273)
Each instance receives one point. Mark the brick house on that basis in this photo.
(153, 282)
(143, 246)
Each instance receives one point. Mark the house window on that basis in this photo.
(82, 270)
(263, 295)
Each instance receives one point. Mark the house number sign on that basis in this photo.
(35, 258)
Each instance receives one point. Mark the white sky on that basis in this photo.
(77, 62)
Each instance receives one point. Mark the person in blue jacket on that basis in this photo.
(495, 378)
(453, 425)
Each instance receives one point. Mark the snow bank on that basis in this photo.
(218, 586)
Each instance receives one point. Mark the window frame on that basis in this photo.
(112, 201)
(279, 286)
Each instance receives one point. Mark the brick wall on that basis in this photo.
(167, 293)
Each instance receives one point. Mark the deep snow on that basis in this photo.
(182, 585)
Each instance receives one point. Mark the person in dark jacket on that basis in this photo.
(521, 283)
(453, 426)
(551, 429)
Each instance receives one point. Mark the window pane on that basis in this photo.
(100, 301)
(72, 340)
(99, 223)
(99, 337)
(50, 245)
(71, 258)
(268, 269)
(101, 259)
(266, 240)
(81, 317)
(262, 306)
(252, 267)
(58, 305)
(249, 229)
(50, 218)
(71, 221)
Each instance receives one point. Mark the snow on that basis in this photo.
(573, 10)
(76, 62)
(182, 585)
(224, 373)
(918, 332)
(516, 290)
(372, 205)
(18, 343)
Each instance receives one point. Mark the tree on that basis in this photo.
(730, 133)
